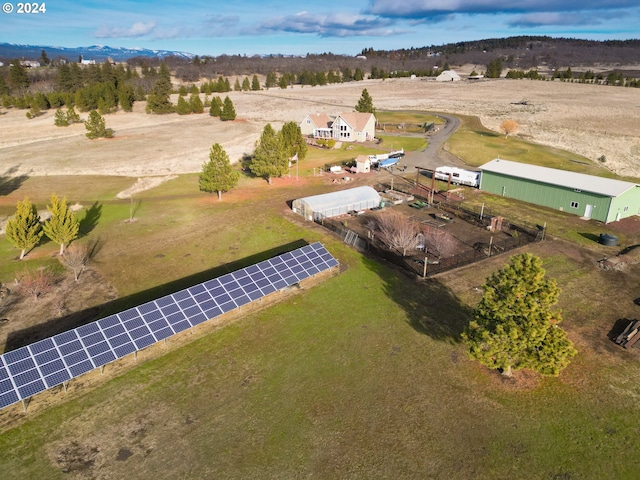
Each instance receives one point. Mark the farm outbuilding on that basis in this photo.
(336, 203)
(587, 196)
(448, 76)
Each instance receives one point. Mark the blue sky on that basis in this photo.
(298, 27)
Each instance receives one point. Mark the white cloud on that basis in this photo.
(138, 29)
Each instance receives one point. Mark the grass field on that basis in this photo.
(479, 145)
(361, 376)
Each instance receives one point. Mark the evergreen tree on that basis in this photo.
(18, 78)
(217, 174)
(96, 126)
(246, 86)
(24, 230)
(63, 226)
(60, 119)
(195, 103)
(228, 111)
(255, 83)
(272, 80)
(72, 115)
(514, 326)
(494, 68)
(126, 97)
(292, 140)
(4, 88)
(236, 86)
(158, 99)
(365, 104)
(44, 59)
(269, 159)
(216, 107)
(65, 82)
(183, 107)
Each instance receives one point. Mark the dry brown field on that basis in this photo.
(591, 120)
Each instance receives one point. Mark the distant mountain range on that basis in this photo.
(98, 53)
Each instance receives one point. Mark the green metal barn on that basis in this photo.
(587, 196)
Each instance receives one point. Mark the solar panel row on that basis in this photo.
(42, 365)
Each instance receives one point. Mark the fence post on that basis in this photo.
(490, 244)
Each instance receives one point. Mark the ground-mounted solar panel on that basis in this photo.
(53, 361)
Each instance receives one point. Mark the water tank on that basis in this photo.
(608, 240)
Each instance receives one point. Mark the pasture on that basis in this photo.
(359, 376)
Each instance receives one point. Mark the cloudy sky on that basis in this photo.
(298, 27)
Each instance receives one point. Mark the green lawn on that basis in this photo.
(360, 376)
(478, 145)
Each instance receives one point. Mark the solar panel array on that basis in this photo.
(55, 360)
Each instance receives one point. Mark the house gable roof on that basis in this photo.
(357, 120)
(563, 178)
(321, 120)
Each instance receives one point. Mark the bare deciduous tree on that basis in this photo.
(440, 242)
(397, 231)
(509, 127)
(36, 282)
(75, 258)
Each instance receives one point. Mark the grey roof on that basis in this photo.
(562, 178)
(350, 196)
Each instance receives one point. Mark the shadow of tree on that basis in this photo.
(431, 307)
(10, 182)
(91, 218)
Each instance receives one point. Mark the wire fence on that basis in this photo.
(421, 264)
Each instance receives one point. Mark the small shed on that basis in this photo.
(587, 196)
(336, 203)
(363, 164)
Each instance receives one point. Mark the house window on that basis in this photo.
(575, 204)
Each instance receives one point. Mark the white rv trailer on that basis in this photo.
(459, 176)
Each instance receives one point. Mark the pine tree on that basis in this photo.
(365, 104)
(183, 107)
(158, 99)
(236, 86)
(269, 159)
(246, 86)
(195, 103)
(126, 97)
(255, 83)
(272, 80)
(18, 78)
(60, 119)
(24, 230)
(4, 88)
(216, 107)
(217, 174)
(96, 126)
(72, 115)
(514, 326)
(228, 111)
(63, 225)
(292, 141)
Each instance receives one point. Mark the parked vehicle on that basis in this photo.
(458, 176)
